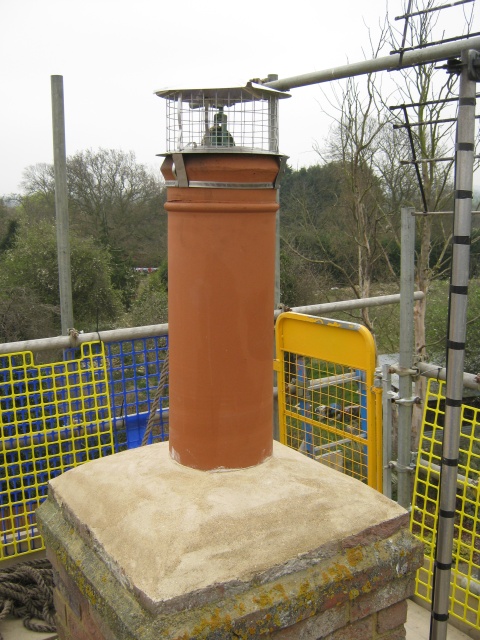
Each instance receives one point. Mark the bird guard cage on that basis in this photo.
(223, 119)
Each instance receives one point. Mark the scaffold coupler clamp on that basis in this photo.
(409, 401)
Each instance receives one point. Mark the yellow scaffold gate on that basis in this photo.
(329, 407)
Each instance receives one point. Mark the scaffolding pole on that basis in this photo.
(429, 370)
(387, 430)
(61, 205)
(388, 63)
(457, 323)
(405, 399)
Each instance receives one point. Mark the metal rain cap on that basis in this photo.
(222, 95)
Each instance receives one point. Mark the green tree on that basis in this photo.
(110, 195)
(113, 198)
(151, 303)
(298, 281)
(8, 224)
(23, 315)
(333, 215)
(29, 269)
(108, 186)
(308, 268)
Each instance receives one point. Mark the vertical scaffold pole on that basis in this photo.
(387, 430)
(405, 358)
(464, 157)
(273, 124)
(61, 204)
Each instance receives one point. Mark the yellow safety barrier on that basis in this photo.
(465, 578)
(53, 417)
(328, 405)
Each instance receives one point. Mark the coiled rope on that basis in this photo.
(26, 592)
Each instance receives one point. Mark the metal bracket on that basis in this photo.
(404, 371)
(230, 185)
(473, 66)
(409, 401)
(453, 66)
(179, 169)
(281, 171)
(400, 468)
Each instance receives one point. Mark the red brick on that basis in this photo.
(60, 608)
(394, 592)
(315, 627)
(76, 628)
(102, 625)
(90, 623)
(394, 634)
(61, 630)
(72, 596)
(68, 598)
(361, 630)
(392, 617)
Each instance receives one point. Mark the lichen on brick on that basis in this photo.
(354, 555)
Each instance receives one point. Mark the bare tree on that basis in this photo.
(354, 145)
(351, 232)
(106, 185)
(425, 96)
(110, 196)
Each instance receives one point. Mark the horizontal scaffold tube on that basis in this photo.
(347, 305)
(75, 339)
(387, 63)
(470, 380)
(153, 330)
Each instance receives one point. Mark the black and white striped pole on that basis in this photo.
(457, 321)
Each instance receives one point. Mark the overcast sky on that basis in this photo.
(113, 54)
